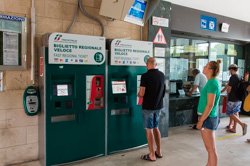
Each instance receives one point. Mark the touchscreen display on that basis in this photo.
(63, 89)
(119, 87)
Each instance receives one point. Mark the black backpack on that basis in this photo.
(241, 91)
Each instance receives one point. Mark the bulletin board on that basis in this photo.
(13, 42)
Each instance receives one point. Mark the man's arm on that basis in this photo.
(192, 90)
(195, 86)
(248, 88)
(141, 91)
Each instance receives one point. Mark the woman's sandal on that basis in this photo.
(244, 129)
(146, 157)
(158, 156)
(231, 131)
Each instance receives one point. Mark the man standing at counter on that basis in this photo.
(152, 90)
(199, 81)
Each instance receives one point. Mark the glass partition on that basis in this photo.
(187, 54)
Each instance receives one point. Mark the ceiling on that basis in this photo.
(237, 9)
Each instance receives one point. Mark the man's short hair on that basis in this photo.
(195, 71)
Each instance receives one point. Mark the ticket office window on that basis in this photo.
(13, 38)
(187, 54)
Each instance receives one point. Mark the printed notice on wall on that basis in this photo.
(62, 90)
(159, 51)
(139, 100)
(10, 48)
(1, 81)
(161, 64)
(130, 52)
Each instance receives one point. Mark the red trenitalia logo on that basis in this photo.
(57, 37)
(117, 43)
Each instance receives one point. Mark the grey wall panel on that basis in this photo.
(187, 20)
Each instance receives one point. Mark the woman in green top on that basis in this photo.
(208, 110)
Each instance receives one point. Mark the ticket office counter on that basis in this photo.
(183, 110)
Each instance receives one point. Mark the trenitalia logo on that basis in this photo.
(57, 37)
(117, 43)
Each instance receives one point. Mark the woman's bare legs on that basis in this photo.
(208, 137)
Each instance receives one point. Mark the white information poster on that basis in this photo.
(1, 81)
(10, 48)
(76, 49)
(119, 87)
(220, 76)
(241, 65)
(159, 51)
(178, 69)
(130, 52)
(62, 90)
(213, 56)
(161, 64)
(139, 100)
(200, 63)
(225, 76)
(88, 90)
(159, 21)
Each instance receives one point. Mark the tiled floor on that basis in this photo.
(184, 147)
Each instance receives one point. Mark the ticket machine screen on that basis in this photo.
(62, 90)
(119, 87)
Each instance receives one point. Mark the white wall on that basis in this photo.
(238, 9)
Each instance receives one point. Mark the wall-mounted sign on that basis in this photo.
(130, 52)
(10, 48)
(12, 18)
(136, 13)
(159, 37)
(13, 42)
(1, 81)
(76, 49)
(225, 27)
(208, 23)
(159, 51)
(158, 21)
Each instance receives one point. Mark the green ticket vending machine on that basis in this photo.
(127, 64)
(72, 86)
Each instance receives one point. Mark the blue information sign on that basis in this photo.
(11, 18)
(208, 23)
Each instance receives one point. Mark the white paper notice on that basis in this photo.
(1, 81)
(119, 87)
(161, 64)
(62, 90)
(160, 52)
(10, 48)
(213, 56)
